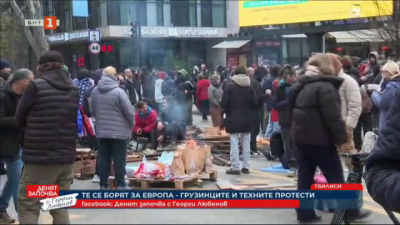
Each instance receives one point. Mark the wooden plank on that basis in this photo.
(221, 160)
(212, 175)
(224, 185)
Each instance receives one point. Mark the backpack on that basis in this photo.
(366, 102)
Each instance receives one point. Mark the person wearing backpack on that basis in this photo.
(383, 100)
(364, 123)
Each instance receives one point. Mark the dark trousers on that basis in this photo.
(290, 148)
(253, 135)
(204, 108)
(309, 157)
(175, 132)
(189, 112)
(364, 125)
(152, 136)
(115, 150)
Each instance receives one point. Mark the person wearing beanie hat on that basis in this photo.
(215, 98)
(384, 99)
(5, 71)
(48, 113)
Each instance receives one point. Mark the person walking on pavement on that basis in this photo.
(202, 96)
(11, 136)
(47, 111)
(114, 116)
(238, 102)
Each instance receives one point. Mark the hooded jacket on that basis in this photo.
(383, 164)
(281, 104)
(239, 101)
(268, 85)
(146, 122)
(111, 108)
(374, 70)
(148, 82)
(159, 97)
(384, 101)
(215, 91)
(202, 89)
(48, 110)
(350, 98)
(314, 104)
(182, 84)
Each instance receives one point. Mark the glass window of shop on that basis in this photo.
(155, 13)
(63, 12)
(79, 23)
(49, 10)
(183, 13)
(213, 13)
(94, 14)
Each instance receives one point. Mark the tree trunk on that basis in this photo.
(35, 35)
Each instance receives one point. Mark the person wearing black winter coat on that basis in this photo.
(148, 84)
(239, 101)
(317, 127)
(11, 137)
(48, 111)
(281, 104)
(383, 164)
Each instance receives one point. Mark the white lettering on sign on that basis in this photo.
(154, 32)
(79, 35)
(56, 38)
(173, 32)
(198, 33)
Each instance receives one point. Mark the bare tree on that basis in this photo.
(390, 32)
(35, 35)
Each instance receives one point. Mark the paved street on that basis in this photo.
(207, 216)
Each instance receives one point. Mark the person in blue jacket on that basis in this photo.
(383, 164)
(383, 100)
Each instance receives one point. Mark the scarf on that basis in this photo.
(83, 85)
(145, 115)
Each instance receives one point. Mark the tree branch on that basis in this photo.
(27, 31)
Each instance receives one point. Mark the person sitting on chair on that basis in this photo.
(170, 124)
(145, 123)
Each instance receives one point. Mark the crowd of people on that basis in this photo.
(309, 114)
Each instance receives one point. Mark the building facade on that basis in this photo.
(172, 31)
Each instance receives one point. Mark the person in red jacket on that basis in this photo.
(202, 96)
(145, 123)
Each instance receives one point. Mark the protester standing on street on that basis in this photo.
(114, 115)
(238, 103)
(47, 111)
(86, 109)
(11, 136)
(281, 103)
(350, 102)
(5, 71)
(256, 86)
(268, 88)
(215, 97)
(159, 97)
(133, 86)
(148, 82)
(202, 96)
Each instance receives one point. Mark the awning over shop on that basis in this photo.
(294, 36)
(357, 36)
(231, 44)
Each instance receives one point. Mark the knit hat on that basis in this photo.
(51, 56)
(4, 64)
(162, 75)
(391, 67)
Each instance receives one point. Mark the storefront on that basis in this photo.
(74, 47)
(161, 47)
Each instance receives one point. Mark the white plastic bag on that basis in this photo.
(370, 140)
